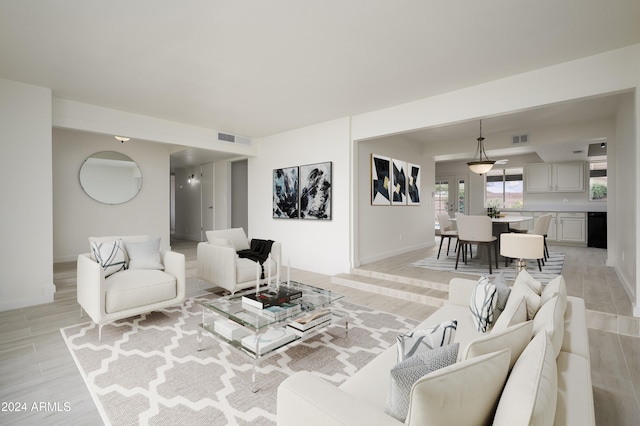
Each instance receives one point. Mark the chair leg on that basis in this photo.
(489, 251)
(441, 240)
(495, 247)
(546, 249)
(460, 248)
(448, 246)
(539, 266)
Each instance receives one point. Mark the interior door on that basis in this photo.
(451, 195)
(206, 203)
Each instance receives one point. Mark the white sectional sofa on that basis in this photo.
(550, 382)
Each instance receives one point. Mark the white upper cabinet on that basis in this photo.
(537, 177)
(558, 177)
(569, 177)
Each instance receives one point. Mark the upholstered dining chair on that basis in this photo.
(541, 227)
(476, 230)
(446, 231)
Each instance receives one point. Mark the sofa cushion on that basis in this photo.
(144, 255)
(556, 286)
(236, 236)
(576, 336)
(529, 397)
(408, 371)
(574, 405)
(550, 318)
(221, 242)
(420, 341)
(110, 255)
(515, 312)
(525, 277)
(483, 302)
(125, 239)
(515, 338)
(132, 288)
(465, 393)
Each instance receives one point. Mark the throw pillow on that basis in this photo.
(550, 318)
(514, 313)
(516, 338)
(483, 302)
(421, 341)
(532, 298)
(502, 292)
(406, 373)
(110, 255)
(530, 395)
(145, 255)
(525, 277)
(556, 286)
(462, 394)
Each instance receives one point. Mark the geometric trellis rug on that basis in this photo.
(552, 267)
(147, 369)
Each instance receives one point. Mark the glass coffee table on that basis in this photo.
(257, 334)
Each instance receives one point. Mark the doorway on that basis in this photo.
(451, 195)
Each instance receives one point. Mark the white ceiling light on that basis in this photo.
(122, 138)
(480, 163)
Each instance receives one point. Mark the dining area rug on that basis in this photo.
(552, 266)
(151, 370)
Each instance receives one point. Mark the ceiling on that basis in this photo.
(256, 68)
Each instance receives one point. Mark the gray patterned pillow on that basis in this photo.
(483, 302)
(110, 256)
(421, 341)
(409, 371)
(502, 294)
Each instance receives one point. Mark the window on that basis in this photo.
(598, 181)
(504, 188)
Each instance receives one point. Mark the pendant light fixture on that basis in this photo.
(480, 163)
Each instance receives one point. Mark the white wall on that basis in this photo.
(389, 230)
(26, 194)
(315, 245)
(76, 216)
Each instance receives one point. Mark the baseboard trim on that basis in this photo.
(46, 297)
(382, 256)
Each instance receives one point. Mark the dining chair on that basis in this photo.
(476, 230)
(446, 231)
(541, 227)
(517, 227)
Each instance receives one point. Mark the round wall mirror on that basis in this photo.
(110, 177)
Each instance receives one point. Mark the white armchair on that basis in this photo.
(219, 264)
(128, 292)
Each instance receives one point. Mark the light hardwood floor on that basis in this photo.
(36, 367)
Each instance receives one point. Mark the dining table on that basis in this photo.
(502, 224)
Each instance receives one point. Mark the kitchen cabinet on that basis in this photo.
(572, 227)
(568, 177)
(554, 177)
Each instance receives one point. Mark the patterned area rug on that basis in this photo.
(147, 370)
(551, 269)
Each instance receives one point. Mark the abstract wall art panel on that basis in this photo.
(380, 180)
(315, 191)
(399, 183)
(285, 193)
(413, 184)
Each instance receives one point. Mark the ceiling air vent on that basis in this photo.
(519, 139)
(225, 137)
(233, 138)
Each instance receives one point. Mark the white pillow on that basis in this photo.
(532, 298)
(222, 242)
(465, 393)
(556, 286)
(525, 277)
(406, 373)
(550, 318)
(420, 341)
(515, 338)
(145, 255)
(530, 395)
(483, 302)
(514, 313)
(110, 255)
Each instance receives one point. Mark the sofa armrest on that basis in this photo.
(91, 287)
(217, 265)
(310, 400)
(460, 291)
(174, 264)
